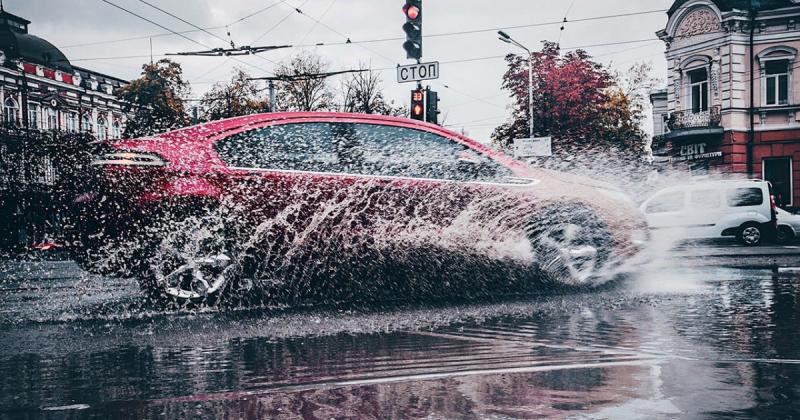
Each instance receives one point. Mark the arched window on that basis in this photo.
(10, 112)
(102, 129)
(86, 123)
(777, 64)
(116, 130)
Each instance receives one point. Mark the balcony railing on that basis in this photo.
(681, 120)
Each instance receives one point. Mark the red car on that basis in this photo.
(358, 206)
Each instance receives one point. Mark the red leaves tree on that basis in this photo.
(576, 100)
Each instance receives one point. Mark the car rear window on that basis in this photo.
(744, 197)
(666, 203)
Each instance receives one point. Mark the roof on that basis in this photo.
(728, 5)
(87, 74)
(17, 43)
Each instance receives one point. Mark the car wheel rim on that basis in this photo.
(191, 263)
(751, 235)
(567, 252)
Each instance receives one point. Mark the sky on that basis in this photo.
(471, 98)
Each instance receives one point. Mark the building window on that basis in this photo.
(72, 122)
(777, 82)
(33, 116)
(116, 130)
(52, 119)
(86, 123)
(102, 129)
(698, 85)
(10, 112)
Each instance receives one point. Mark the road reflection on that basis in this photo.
(730, 348)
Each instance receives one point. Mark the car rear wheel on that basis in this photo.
(572, 245)
(751, 234)
(193, 262)
(784, 235)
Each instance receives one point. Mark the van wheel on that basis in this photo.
(784, 235)
(751, 234)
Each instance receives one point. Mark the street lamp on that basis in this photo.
(508, 40)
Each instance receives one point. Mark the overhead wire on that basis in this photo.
(137, 38)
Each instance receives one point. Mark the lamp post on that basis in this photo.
(508, 40)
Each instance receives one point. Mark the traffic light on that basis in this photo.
(413, 29)
(418, 105)
(432, 106)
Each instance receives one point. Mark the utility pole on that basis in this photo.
(271, 106)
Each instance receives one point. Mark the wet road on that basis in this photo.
(691, 342)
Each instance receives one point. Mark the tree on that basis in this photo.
(302, 93)
(576, 100)
(238, 97)
(155, 99)
(363, 92)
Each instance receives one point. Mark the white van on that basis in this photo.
(744, 209)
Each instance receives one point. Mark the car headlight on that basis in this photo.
(129, 159)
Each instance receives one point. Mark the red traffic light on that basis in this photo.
(412, 12)
(418, 105)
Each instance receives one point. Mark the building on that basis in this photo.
(48, 105)
(732, 102)
(41, 89)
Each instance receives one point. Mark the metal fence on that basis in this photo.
(39, 174)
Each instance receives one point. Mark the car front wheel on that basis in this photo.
(572, 245)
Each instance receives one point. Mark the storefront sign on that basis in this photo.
(694, 152)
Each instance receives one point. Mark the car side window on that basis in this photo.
(705, 199)
(666, 203)
(302, 147)
(405, 152)
(744, 197)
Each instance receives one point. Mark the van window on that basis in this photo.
(744, 197)
(705, 199)
(665, 203)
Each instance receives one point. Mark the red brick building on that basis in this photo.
(732, 104)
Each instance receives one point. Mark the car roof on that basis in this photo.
(707, 184)
(217, 127)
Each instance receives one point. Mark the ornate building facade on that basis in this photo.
(732, 102)
(47, 106)
(41, 89)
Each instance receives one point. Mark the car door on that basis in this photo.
(666, 209)
(704, 211)
(279, 174)
(427, 180)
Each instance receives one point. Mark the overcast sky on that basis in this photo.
(470, 91)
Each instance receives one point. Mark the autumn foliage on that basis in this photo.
(576, 101)
(155, 101)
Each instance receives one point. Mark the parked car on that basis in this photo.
(285, 201)
(744, 209)
(788, 227)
